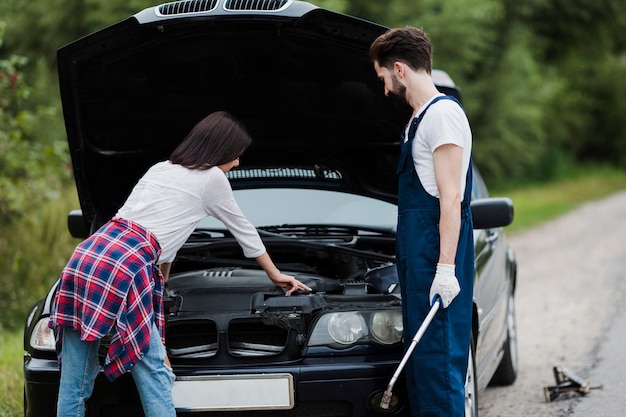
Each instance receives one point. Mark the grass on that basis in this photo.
(32, 254)
(11, 398)
(534, 204)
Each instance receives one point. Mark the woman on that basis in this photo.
(115, 278)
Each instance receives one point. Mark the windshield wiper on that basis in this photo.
(325, 230)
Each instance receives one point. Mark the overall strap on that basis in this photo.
(417, 120)
(405, 151)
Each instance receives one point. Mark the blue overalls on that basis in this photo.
(435, 373)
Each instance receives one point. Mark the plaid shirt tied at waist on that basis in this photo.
(112, 282)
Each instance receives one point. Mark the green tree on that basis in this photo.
(583, 41)
(38, 28)
(541, 79)
(33, 169)
(29, 169)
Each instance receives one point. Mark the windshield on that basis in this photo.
(278, 206)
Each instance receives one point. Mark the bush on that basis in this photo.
(34, 172)
(32, 254)
(11, 402)
(33, 159)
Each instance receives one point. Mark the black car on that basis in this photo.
(318, 182)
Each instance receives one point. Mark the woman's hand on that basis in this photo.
(278, 278)
(287, 281)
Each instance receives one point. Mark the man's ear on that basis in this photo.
(399, 69)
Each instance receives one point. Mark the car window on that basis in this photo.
(278, 206)
(479, 189)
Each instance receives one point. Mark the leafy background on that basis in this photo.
(542, 81)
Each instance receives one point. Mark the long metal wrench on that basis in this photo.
(384, 403)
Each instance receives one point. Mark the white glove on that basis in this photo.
(445, 284)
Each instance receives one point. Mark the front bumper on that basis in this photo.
(41, 389)
(324, 387)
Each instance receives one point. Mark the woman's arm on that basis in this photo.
(165, 270)
(277, 277)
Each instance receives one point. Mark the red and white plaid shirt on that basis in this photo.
(112, 282)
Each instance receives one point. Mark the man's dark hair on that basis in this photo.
(408, 45)
(217, 139)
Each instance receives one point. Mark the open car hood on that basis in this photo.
(298, 76)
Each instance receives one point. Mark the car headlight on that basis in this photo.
(346, 328)
(343, 329)
(386, 326)
(42, 337)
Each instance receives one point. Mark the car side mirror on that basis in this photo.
(77, 225)
(488, 213)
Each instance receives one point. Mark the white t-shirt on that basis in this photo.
(170, 200)
(444, 123)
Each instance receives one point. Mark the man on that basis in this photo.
(435, 251)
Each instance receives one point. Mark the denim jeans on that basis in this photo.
(80, 367)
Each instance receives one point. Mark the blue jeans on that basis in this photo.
(80, 367)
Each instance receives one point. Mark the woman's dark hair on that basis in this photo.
(409, 45)
(217, 139)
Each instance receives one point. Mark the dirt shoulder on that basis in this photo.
(570, 280)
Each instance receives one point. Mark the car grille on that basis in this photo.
(192, 340)
(199, 339)
(253, 338)
(199, 6)
(189, 6)
(255, 4)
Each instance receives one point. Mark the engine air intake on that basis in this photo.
(188, 6)
(255, 4)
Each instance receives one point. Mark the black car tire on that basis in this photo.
(507, 370)
(471, 384)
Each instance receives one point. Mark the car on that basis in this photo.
(318, 182)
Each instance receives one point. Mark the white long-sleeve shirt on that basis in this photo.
(170, 200)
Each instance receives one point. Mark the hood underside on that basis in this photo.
(302, 84)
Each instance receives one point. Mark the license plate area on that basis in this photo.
(233, 392)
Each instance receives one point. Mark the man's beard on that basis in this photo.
(398, 96)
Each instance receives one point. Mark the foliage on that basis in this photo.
(541, 78)
(540, 202)
(584, 41)
(29, 164)
(542, 82)
(11, 403)
(62, 22)
(32, 258)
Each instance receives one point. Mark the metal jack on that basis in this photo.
(566, 381)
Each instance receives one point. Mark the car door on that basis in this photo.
(490, 288)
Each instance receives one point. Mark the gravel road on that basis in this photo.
(570, 292)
